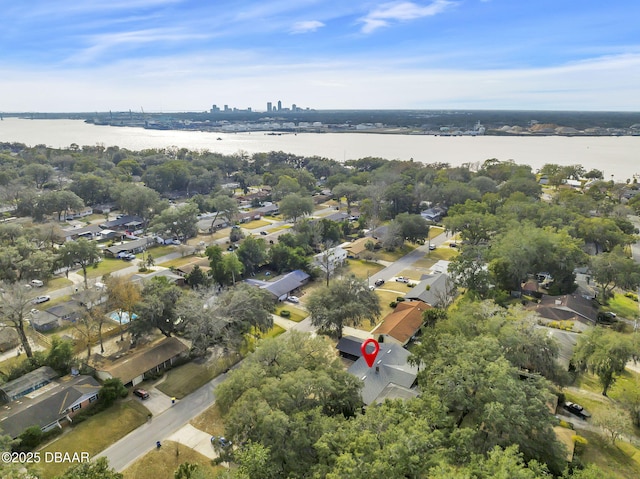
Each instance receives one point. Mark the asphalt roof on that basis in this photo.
(48, 405)
(404, 321)
(390, 367)
(350, 345)
(430, 290)
(287, 283)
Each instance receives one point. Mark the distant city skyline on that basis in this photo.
(185, 55)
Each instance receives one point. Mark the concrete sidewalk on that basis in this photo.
(194, 438)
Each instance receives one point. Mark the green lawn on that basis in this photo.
(56, 283)
(107, 265)
(252, 338)
(623, 307)
(177, 262)
(297, 314)
(401, 288)
(621, 461)
(435, 231)
(256, 224)
(385, 298)
(396, 254)
(279, 228)
(210, 421)
(361, 268)
(96, 434)
(162, 463)
(159, 251)
(187, 378)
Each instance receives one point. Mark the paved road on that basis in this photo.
(142, 440)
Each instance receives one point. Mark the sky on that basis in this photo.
(186, 55)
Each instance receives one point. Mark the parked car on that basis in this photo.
(263, 233)
(453, 245)
(432, 247)
(379, 282)
(402, 279)
(293, 299)
(41, 299)
(577, 410)
(141, 393)
(129, 257)
(36, 283)
(220, 441)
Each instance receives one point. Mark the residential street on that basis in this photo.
(143, 439)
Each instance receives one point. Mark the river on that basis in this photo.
(615, 156)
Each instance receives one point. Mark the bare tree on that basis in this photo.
(15, 303)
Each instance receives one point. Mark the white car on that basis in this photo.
(41, 299)
(293, 299)
(402, 279)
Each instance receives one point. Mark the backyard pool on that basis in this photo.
(125, 316)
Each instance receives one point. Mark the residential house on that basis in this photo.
(27, 383)
(43, 321)
(570, 307)
(434, 214)
(73, 215)
(330, 259)
(126, 222)
(53, 406)
(283, 286)
(135, 246)
(90, 232)
(390, 377)
(435, 289)
(174, 278)
(402, 324)
(67, 311)
(338, 217)
(359, 246)
(349, 347)
(133, 367)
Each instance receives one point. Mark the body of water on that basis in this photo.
(615, 156)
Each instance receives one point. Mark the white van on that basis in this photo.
(36, 283)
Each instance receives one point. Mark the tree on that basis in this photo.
(111, 390)
(217, 272)
(139, 200)
(468, 270)
(123, 296)
(351, 192)
(346, 302)
(157, 308)
(98, 469)
(226, 207)
(604, 353)
(293, 206)
(59, 202)
(60, 356)
(197, 278)
(82, 252)
(473, 227)
(615, 269)
(180, 222)
(188, 470)
(614, 423)
(413, 228)
(15, 303)
(252, 253)
(39, 173)
(286, 258)
(232, 266)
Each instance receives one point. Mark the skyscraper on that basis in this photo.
(269, 106)
(279, 105)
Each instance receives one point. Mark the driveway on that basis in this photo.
(195, 439)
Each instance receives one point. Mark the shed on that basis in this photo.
(349, 347)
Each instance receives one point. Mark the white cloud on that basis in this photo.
(388, 13)
(306, 26)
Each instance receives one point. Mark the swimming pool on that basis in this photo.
(115, 315)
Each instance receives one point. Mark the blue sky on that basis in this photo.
(177, 55)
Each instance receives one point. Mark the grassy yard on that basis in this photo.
(177, 262)
(256, 224)
(159, 251)
(56, 283)
(162, 463)
(624, 307)
(297, 314)
(210, 421)
(252, 339)
(435, 231)
(385, 298)
(107, 265)
(279, 228)
(621, 461)
(396, 254)
(96, 434)
(361, 268)
(187, 378)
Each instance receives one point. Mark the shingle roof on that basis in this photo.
(49, 406)
(404, 321)
(350, 345)
(287, 283)
(392, 368)
(430, 290)
(133, 365)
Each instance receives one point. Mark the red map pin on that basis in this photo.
(370, 357)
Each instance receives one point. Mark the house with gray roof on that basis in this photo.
(133, 247)
(283, 286)
(52, 406)
(390, 377)
(89, 232)
(435, 289)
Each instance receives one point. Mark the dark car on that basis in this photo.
(379, 282)
(263, 233)
(220, 441)
(141, 393)
(577, 410)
